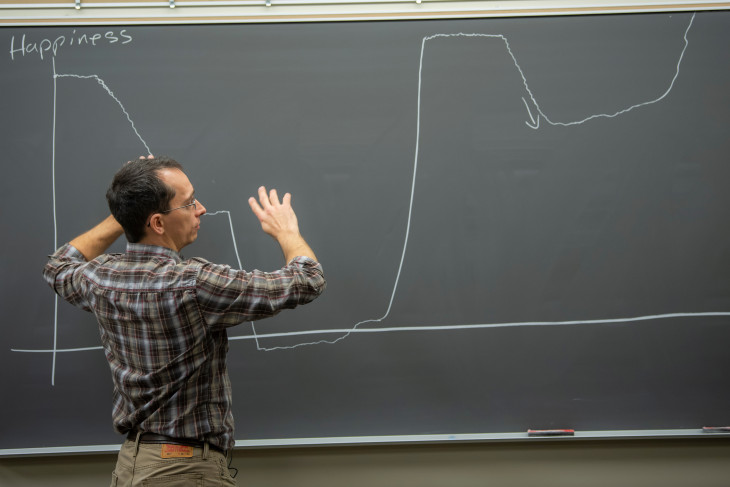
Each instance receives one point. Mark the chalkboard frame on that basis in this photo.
(618, 434)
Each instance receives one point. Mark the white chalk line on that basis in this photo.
(536, 121)
(110, 92)
(55, 225)
(233, 235)
(438, 328)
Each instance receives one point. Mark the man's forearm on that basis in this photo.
(95, 242)
(295, 246)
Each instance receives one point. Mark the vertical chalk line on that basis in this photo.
(55, 225)
(233, 235)
(405, 242)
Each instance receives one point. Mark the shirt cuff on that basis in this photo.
(302, 260)
(68, 251)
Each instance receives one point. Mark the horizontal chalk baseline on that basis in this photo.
(483, 325)
(431, 328)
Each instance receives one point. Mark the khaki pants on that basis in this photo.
(141, 464)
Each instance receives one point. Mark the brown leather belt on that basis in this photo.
(154, 438)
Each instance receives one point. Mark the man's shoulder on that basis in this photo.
(106, 258)
(204, 267)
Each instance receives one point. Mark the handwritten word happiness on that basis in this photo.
(29, 47)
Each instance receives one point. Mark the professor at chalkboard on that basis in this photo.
(163, 319)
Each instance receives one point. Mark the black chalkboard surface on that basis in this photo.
(523, 222)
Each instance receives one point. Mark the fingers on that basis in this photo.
(141, 158)
(268, 201)
(277, 218)
(264, 201)
(257, 210)
(272, 198)
(259, 207)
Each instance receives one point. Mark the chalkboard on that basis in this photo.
(523, 221)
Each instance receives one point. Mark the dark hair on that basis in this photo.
(137, 192)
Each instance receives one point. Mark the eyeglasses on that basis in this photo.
(194, 204)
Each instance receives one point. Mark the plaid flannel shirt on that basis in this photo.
(163, 327)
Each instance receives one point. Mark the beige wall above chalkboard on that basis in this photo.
(50, 12)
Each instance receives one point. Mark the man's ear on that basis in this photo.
(156, 224)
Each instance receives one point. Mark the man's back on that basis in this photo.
(162, 322)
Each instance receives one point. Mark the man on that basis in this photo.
(163, 319)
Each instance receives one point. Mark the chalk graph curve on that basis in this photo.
(534, 124)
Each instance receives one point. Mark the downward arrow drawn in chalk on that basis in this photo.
(535, 122)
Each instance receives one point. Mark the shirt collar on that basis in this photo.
(152, 250)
